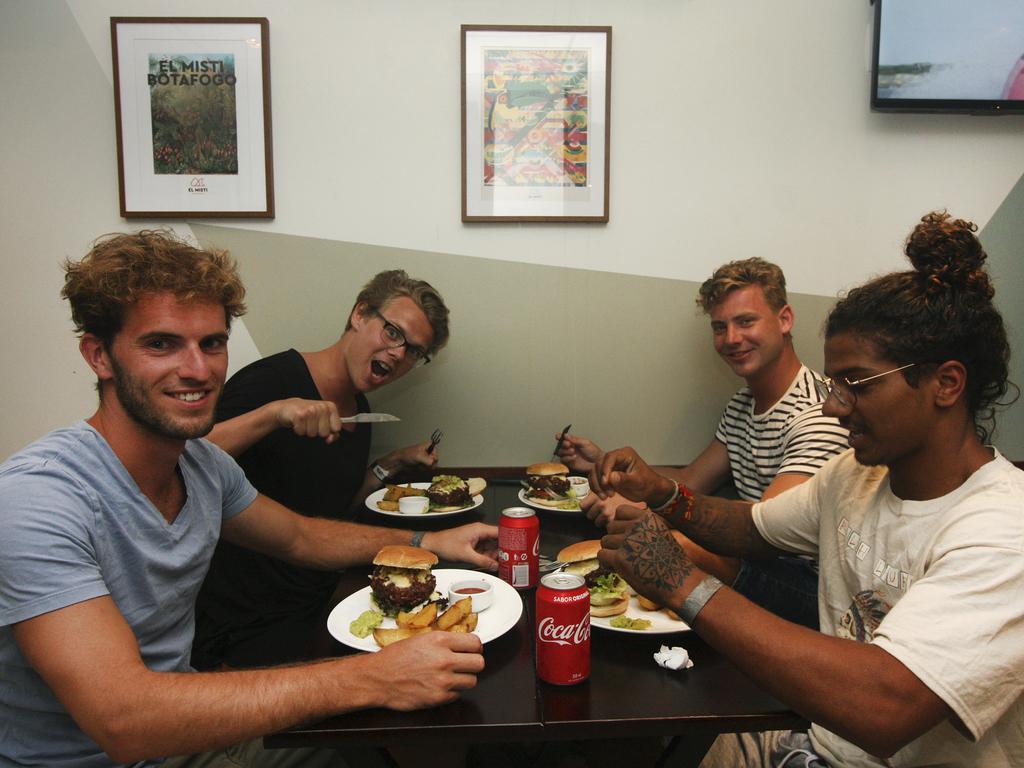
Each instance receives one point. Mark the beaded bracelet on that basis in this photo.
(680, 494)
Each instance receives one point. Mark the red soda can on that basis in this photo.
(563, 629)
(519, 547)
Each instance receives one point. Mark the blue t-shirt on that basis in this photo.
(74, 526)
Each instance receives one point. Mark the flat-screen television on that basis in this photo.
(948, 56)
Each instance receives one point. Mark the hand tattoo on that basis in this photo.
(653, 554)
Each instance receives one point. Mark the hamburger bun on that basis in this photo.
(401, 556)
(476, 485)
(547, 468)
(581, 550)
(610, 609)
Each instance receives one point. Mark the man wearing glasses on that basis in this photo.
(280, 417)
(917, 528)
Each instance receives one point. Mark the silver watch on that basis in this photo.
(379, 472)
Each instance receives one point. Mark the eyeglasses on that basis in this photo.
(394, 338)
(844, 390)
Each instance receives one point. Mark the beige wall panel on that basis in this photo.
(625, 359)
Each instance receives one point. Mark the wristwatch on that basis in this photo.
(379, 472)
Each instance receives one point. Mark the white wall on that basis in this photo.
(738, 128)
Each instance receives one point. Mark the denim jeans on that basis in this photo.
(787, 586)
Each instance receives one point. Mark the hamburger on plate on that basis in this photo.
(448, 493)
(402, 579)
(609, 593)
(548, 485)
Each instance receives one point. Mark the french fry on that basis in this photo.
(424, 617)
(396, 492)
(388, 506)
(385, 637)
(647, 605)
(455, 613)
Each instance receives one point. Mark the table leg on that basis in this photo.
(686, 752)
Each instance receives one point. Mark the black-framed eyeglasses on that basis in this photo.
(394, 338)
(844, 390)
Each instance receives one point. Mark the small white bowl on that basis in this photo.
(580, 486)
(481, 600)
(413, 505)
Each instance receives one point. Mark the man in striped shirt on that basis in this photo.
(771, 437)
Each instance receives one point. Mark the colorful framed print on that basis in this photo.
(192, 107)
(535, 123)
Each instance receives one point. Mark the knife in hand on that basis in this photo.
(360, 418)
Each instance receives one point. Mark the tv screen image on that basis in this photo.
(949, 55)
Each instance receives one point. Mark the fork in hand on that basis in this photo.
(435, 438)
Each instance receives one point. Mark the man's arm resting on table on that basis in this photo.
(883, 705)
(89, 657)
(268, 527)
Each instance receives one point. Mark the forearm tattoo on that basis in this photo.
(724, 526)
(653, 554)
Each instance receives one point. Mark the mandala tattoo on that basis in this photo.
(654, 555)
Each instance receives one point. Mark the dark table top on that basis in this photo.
(627, 694)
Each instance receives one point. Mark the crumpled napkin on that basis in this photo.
(673, 658)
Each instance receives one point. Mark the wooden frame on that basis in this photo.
(192, 108)
(535, 123)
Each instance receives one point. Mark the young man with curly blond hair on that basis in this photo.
(109, 526)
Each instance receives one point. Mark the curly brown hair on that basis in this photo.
(390, 284)
(941, 310)
(742, 274)
(122, 268)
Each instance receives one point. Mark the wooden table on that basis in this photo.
(627, 694)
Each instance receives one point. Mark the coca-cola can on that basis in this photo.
(519, 547)
(563, 629)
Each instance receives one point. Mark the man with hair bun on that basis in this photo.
(917, 527)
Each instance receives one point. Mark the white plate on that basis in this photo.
(491, 623)
(530, 503)
(661, 622)
(378, 495)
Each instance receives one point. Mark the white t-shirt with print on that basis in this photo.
(938, 584)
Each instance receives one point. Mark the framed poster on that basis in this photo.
(535, 123)
(192, 107)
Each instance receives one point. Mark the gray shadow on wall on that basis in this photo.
(625, 359)
(1002, 238)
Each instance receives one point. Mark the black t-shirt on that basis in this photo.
(247, 597)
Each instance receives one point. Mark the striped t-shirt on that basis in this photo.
(791, 436)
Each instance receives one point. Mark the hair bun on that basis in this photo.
(947, 252)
